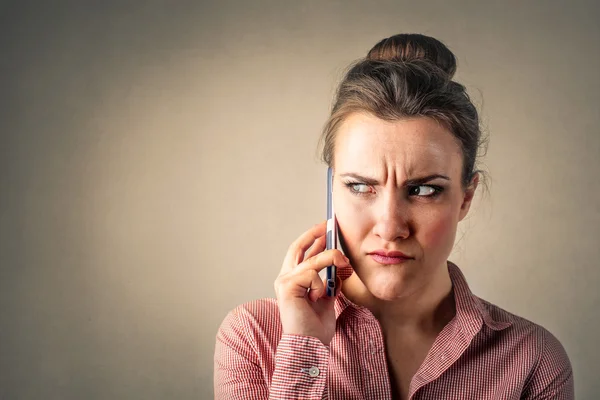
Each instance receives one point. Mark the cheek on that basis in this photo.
(353, 223)
(439, 231)
(347, 210)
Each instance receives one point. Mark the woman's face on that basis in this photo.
(380, 206)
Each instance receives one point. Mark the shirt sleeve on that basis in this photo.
(237, 372)
(553, 376)
(300, 366)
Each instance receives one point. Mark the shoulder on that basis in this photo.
(520, 327)
(551, 370)
(256, 312)
(256, 322)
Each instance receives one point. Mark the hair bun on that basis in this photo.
(408, 47)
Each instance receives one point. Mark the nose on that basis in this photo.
(392, 217)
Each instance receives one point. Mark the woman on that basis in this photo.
(402, 140)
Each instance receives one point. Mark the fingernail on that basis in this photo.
(347, 259)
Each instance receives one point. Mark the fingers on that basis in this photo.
(305, 276)
(317, 247)
(324, 259)
(295, 253)
(306, 257)
(296, 285)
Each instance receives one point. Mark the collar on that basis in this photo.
(471, 311)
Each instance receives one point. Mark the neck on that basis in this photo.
(426, 307)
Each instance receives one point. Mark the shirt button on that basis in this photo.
(313, 371)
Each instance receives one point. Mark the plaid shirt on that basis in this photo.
(484, 352)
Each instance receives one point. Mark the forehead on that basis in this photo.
(365, 143)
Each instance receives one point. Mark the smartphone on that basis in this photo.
(331, 234)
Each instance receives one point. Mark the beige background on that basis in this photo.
(157, 158)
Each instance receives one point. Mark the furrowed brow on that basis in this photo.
(409, 182)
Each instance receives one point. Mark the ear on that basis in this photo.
(468, 196)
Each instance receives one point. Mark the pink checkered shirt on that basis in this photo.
(484, 352)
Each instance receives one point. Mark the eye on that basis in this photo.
(425, 191)
(362, 189)
(358, 188)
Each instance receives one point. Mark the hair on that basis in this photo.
(407, 76)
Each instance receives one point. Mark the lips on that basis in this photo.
(389, 257)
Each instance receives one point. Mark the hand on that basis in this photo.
(303, 311)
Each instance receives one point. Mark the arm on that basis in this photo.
(300, 368)
(246, 362)
(553, 375)
(243, 372)
(237, 372)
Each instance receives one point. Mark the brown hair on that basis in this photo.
(406, 76)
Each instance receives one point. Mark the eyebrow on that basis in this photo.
(408, 182)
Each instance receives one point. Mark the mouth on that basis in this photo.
(389, 257)
(389, 260)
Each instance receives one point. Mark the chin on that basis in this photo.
(387, 286)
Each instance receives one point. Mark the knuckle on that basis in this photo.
(292, 249)
(312, 260)
(340, 256)
(293, 246)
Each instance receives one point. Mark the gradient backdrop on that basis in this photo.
(157, 158)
